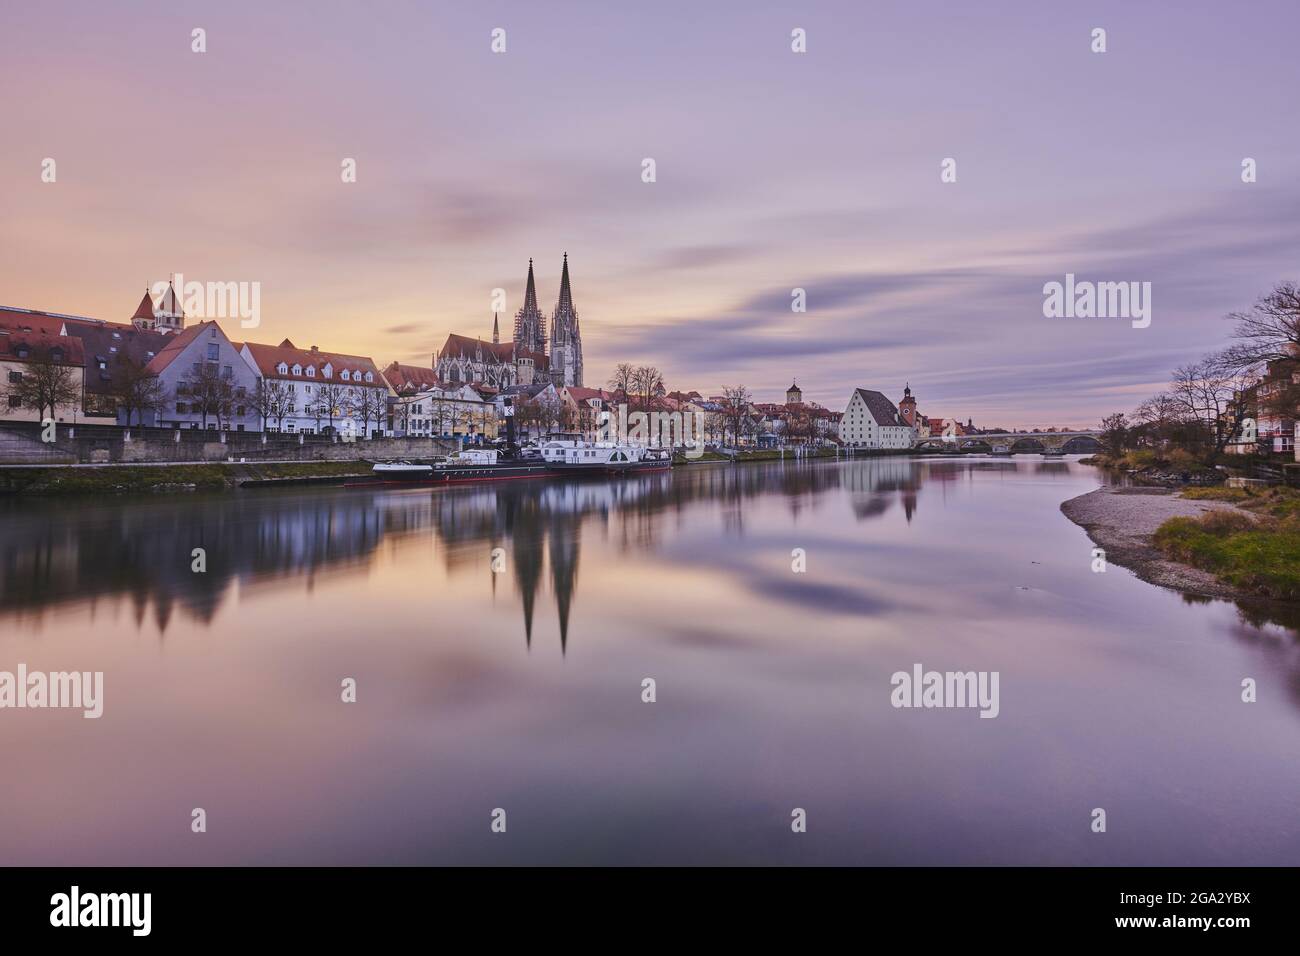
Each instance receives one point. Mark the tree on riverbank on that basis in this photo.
(45, 383)
(1221, 398)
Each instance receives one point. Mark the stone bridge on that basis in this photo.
(1015, 443)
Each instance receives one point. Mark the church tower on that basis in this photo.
(566, 336)
(530, 324)
(792, 394)
(907, 407)
(169, 316)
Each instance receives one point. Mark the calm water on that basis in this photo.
(522, 689)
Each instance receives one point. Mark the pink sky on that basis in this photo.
(775, 170)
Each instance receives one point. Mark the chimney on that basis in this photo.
(315, 349)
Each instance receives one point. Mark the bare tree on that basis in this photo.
(1208, 394)
(622, 381)
(370, 404)
(736, 402)
(1158, 417)
(271, 400)
(46, 382)
(331, 400)
(647, 384)
(1268, 332)
(137, 390)
(1115, 434)
(207, 391)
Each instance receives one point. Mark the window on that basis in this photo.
(14, 401)
(282, 369)
(15, 377)
(227, 372)
(311, 371)
(214, 352)
(297, 369)
(181, 408)
(370, 376)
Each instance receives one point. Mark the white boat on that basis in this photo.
(578, 457)
(402, 471)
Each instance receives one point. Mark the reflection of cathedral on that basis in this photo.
(142, 552)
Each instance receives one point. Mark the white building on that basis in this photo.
(872, 421)
(307, 390)
(445, 411)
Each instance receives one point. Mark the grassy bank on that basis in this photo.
(146, 479)
(1146, 459)
(1256, 548)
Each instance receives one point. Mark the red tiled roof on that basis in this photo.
(403, 376)
(39, 345)
(580, 394)
(145, 309)
(268, 358)
(22, 320)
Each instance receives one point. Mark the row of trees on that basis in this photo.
(1208, 401)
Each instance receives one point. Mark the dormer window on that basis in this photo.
(297, 369)
(346, 376)
(282, 369)
(328, 371)
(370, 376)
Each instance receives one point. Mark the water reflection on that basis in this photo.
(55, 552)
(522, 688)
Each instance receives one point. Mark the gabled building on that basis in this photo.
(35, 345)
(871, 421)
(583, 408)
(316, 392)
(205, 382)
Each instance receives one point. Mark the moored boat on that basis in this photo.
(486, 464)
(603, 458)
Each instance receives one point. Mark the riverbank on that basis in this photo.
(127, 479)
(167, 479)
(1123, 522)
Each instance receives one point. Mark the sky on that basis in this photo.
(774, 170)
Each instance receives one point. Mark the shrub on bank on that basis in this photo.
(1259, 554)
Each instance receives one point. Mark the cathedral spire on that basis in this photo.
(530, 292)
(530, 324)
(566, 295)
(496, 330)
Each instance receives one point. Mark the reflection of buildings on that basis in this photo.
(141, 550)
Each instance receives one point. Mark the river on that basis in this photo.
(512, 679)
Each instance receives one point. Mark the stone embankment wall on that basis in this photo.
(21, 444)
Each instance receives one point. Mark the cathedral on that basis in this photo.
(534, 357)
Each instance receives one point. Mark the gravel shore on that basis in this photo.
(1122, 520)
